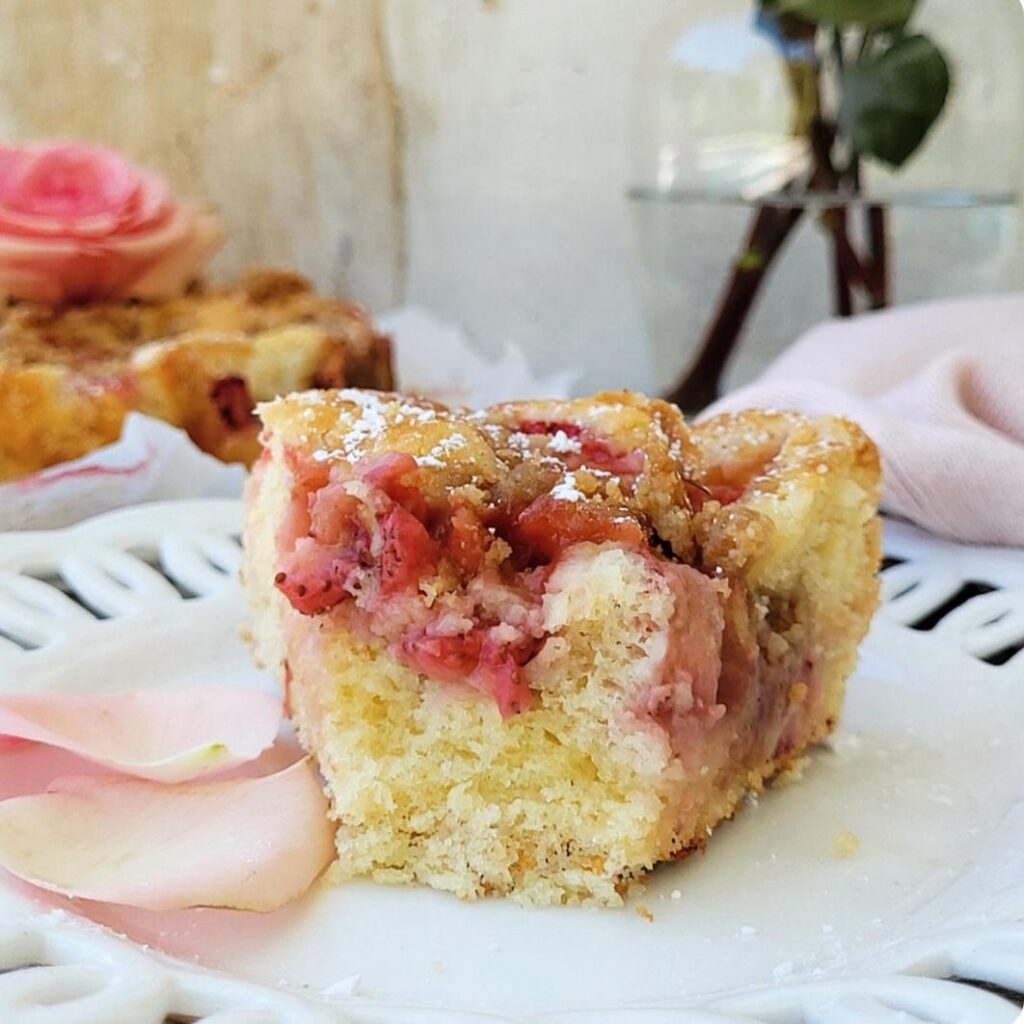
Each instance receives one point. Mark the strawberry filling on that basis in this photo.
(316, 577)
(701, 494)
(573, 430)
(332, 517)
(594, 452)
(727, 481)
(373, 542)
(230, 396)
(392, 474)
(477, 659)
(545, 528)
(409, 552)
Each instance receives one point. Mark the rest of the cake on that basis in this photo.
(69, 374)
(539, 649)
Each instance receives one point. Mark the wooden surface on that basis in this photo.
(279, 111)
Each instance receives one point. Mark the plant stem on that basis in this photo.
(837, 50)
(865, 43)
(842, 291)
(846, 268)
(878, 243)
(771, 228)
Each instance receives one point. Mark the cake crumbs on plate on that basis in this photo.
(845, 845)
(645, 913)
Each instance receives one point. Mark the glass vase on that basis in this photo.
(717, 183)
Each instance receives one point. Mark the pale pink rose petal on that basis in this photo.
(54, 270)
(151, 204)
(170, 275)
(55, 276)
(30, 247)
(166, 235)
(247, 844)
(92, 274)
(164, 735)
(148, 207)
(153, 265)
(25, 225)
(30, 284)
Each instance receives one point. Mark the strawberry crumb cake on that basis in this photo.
(537, 650)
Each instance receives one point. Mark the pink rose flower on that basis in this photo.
(80, 222)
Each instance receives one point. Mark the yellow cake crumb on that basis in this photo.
(845, 845)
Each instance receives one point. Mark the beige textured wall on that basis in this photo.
(517, 118)
(280, 111)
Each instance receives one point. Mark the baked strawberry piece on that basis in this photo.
(537, 650)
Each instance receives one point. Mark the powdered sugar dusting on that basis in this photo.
(371, 425)
(564, 444)
(566, 490)
(378, 412)
(439, 456)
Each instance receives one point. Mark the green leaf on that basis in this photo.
(891, 100)
(872, 14)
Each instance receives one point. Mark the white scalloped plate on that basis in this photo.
(771, 925)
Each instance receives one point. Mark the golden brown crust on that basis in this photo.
(782, 462)
(511, 454)
(777, 463)
(69, 375)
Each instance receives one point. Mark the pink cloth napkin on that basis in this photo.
(940, 389)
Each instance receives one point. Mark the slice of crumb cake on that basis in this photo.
(69, 375)
(538, 649)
